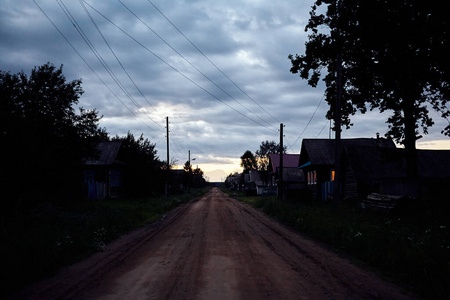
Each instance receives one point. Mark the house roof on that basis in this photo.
(107, 154)
(289, 160)
(293, 175)
(322, 151)
(376, 162)
(254, 177)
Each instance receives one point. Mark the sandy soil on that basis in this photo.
(214, 248)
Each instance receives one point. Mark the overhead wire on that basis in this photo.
(310, 119)
(89, 66)
(100, 58)
(172, 67)
(190, 63)
(175, 142)
(207, 58)
(118, 60)
(322, 129)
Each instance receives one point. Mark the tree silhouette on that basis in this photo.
(248, 161)
(395, 57)
(44, 139)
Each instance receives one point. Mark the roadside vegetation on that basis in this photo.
(37, 242)
(411, 250)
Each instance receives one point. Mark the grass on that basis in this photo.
(410, 250)
(39, 241)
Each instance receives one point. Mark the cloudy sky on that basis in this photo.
(217, 69)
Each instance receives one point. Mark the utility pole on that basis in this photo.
(189, 172)
(280, 178)
(168, 163)
(337, 128)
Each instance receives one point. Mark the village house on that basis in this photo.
(317, 160)
(103, 174)
(293, 177)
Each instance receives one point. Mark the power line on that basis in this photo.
(99, 57)
(201, 52)
(120, 63)
(87, 64)
(192, 65)
(322, 129)
(172, 67)
(310, 119)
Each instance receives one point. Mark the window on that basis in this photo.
(312, 177)
(333, 173)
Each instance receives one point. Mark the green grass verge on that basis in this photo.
(412, 251)
(39, 241)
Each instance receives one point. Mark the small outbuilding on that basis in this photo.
(103, 174)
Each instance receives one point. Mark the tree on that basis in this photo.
(45, 140)
(262, 157)
(248, 161)
(262, 154)
(188, 174)
(199, 181)
(144, 174)
(394, 58)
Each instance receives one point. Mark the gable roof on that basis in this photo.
(289, 161)
(322, 151)
(107, 154)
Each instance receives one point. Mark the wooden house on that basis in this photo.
(293, 177)
(317, 160)
(103, 174)
(380, 170)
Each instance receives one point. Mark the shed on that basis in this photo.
(103, 174)
(383, 170)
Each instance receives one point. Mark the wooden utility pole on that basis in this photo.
(189, 172)
(337, 128)
(280, 178)
(168, 162)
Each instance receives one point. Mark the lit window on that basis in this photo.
(333, 173)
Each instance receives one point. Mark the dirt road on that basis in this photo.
(214, 248)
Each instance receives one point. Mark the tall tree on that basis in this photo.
(248, 161)
(45, 139)
(394, 58)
